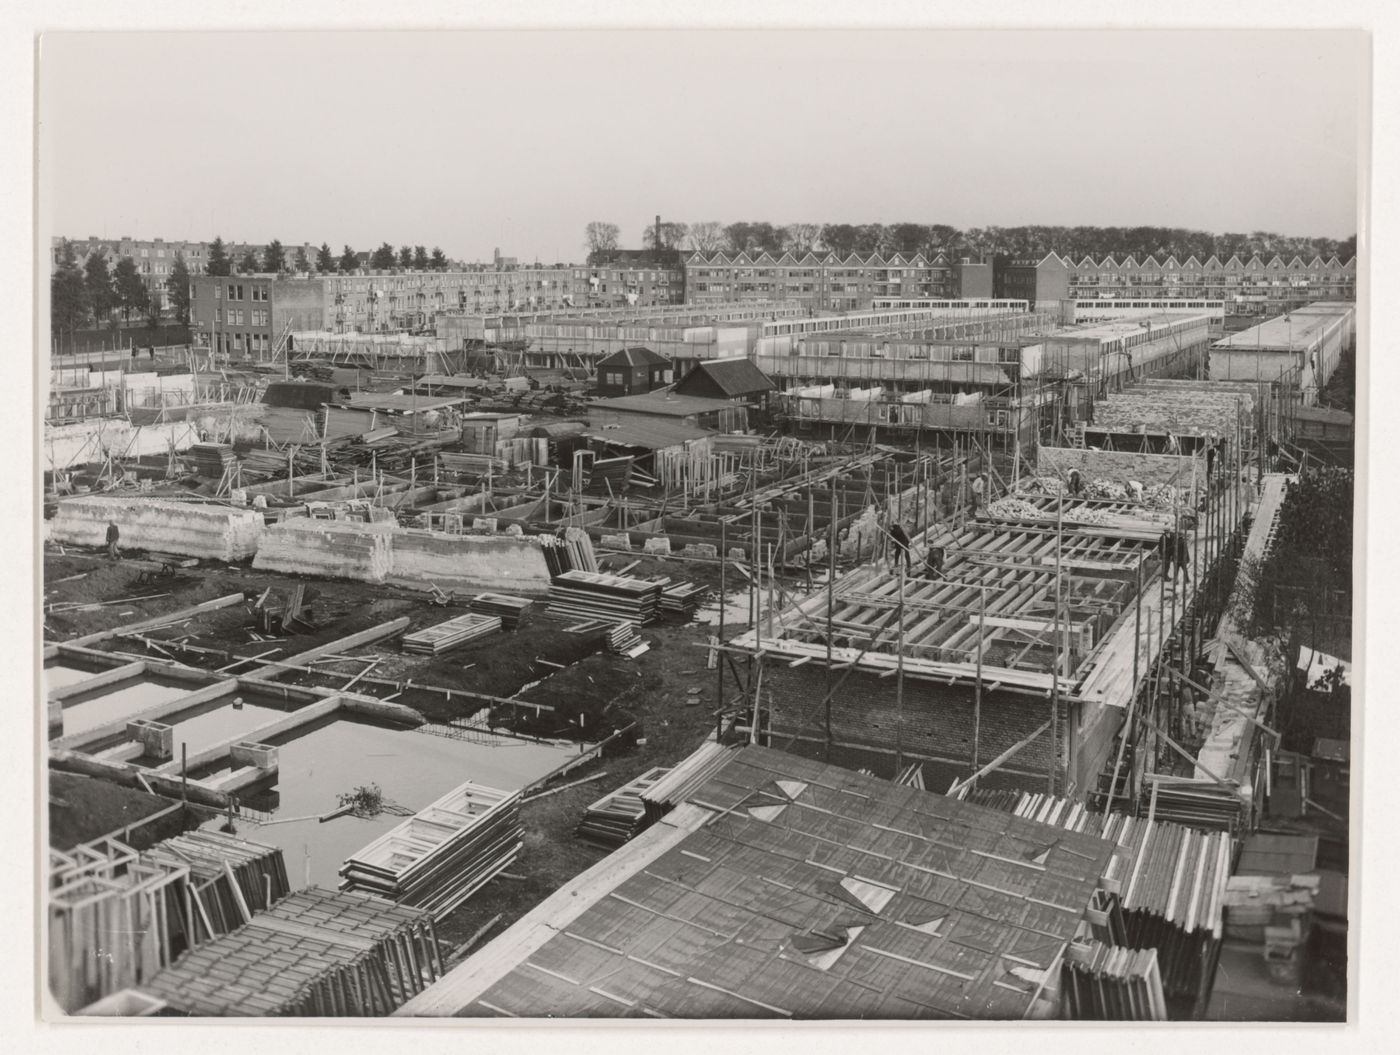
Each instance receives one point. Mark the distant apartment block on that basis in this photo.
(247, 314)
(155, 257)
(1246, 287)
(827, 282)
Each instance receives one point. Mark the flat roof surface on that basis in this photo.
(662, 402)
(652, 434)
(788, 888)
(1111, 328)
(1292, 332)
(402, 404)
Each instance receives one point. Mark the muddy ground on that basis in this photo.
(538, 662)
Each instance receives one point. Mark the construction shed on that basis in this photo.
(733, 379)
(783, 888)
(632, 371)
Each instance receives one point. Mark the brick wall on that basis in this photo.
(1147, 469)
(937, 725)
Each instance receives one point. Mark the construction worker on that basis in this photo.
(979, 488)
(1175, 555)
(933, 563)
(1076, 482)
(113, 537)
(900, 538)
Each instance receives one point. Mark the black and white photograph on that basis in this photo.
(732, 524)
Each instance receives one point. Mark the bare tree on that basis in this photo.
(601, 236)
(672, 235)
(801, 238)
(706, 236)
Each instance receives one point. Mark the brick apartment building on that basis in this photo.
(1247, 287)
(247, 314)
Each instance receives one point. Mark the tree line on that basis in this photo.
(274, 260)
(928, 238)
(98, 290)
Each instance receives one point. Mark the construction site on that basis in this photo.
(913, 669)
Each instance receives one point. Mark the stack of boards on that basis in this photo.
(682, 598)
(315, 953)
(212, 459)
(510, 609)
(623, 640)
(573, 552)
(433, 640)
(443, 854)
(1111, 983)
(598, 595)
(619, 815)
(685, 778)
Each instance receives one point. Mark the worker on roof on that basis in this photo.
(933, 563)
(900, 538)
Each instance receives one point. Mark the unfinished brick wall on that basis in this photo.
(937, 720)
(1147, 469)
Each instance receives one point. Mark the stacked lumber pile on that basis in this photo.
(315, 953)
(443, 854)
(508, 609)
(1111, 983)
(470, 464)
(211, 460)
(117, 917)
(433, 640)
(682, 598)
(1187, 800)
(229, 879)
(623, 640)
(619, 815)
(1172, 881)
(684, 779)
(598, 595)
(573, 552)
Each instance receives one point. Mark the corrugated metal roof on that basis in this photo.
(791, 888)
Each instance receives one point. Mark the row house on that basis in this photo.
(1247, 287)
(823, 282)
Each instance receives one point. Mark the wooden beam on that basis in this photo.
(996, 762)
(364, 637)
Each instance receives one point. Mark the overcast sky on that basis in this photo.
(477, 140)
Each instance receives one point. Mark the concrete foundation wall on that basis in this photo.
(185, 528)
(421, 558)
(80, 443)
(1147, 469)
(337, 549)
